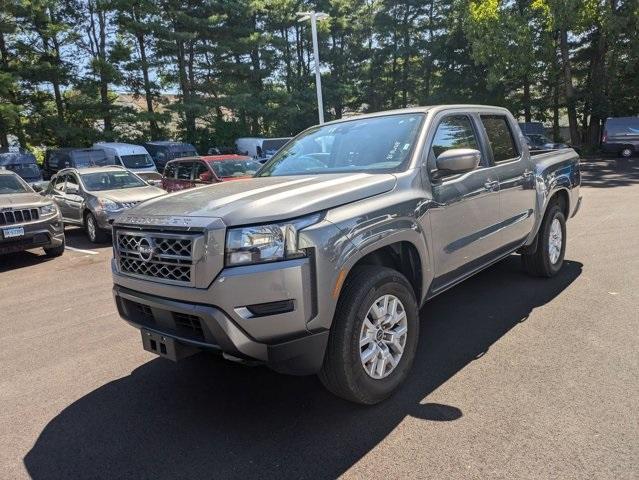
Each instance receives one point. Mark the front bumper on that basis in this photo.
(48, 233)
(207, 327)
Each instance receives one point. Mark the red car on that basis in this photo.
(190, 172)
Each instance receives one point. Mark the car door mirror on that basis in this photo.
(457, 160)
(206, 177)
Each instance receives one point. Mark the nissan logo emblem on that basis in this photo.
(146, 249)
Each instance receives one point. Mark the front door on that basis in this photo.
(464, 218)
(74, 200)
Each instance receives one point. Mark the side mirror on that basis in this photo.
(206, 177)
(458, 160)
(72, 191)
(37, 188)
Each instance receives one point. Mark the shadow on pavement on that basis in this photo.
(12, 261)
(76, 237)
(608, 173)
(205, 417)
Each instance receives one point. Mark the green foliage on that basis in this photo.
(209, 72)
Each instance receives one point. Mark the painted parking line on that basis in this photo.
(80, 250)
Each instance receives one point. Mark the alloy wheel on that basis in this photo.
(555, 241)
(383, 336)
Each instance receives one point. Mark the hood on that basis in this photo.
(138, 194)
(267, 199)
(15, 200)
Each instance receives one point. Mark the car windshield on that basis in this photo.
(377, 144)
(235, 168)
(91, 158)
(25, 170)
(12, 184)
(140, 160)
(99, 181)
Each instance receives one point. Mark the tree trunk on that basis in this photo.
(570, 91)
(148, 94)
(526, 100)
(189, 122)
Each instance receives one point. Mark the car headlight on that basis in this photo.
(266, 243)
(49, 209)
(108, 205)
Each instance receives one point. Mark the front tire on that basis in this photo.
(53, 252)
(548, 257)
(93, 231)
(373, 339)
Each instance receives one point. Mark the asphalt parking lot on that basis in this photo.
(515, 377)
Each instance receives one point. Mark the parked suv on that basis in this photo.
(27, 220)
(60, 158)
(320, 263)
(165, 151)
(186, 173)
(94, 197)
(621, 136)
(24, 164)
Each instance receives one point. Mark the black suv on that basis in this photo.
(57, 159)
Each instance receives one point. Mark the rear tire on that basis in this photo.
(53, 252)
(368, 292)
(547, 259)
(93, 231)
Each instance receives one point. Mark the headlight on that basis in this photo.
(49, 209)
(265, 243)
(108, 205)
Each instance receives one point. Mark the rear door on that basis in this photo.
(516, 180)
(465, 214)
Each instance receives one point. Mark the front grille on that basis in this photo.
(166, 257)
(23, 215)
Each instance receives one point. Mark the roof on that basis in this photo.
(424, 109)
(222, 158)
(168, 143)
(107, 168)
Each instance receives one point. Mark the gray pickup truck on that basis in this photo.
(320, 263)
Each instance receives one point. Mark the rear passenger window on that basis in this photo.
(455, 131)
(184, 170)
(500, 137)
(169, 170)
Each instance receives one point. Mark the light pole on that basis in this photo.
(315, 16)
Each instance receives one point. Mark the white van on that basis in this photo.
(260, 148)
(251, 146)
(132, 157)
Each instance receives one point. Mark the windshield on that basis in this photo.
(99, 181)
(12, 184)
(25, 170)
(140, 160)
(235, 168)
(91, 158)
(378, 144)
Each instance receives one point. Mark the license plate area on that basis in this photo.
(165, 346)
(13, 232)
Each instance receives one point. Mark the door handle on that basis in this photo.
(527, 174)
(491, 186)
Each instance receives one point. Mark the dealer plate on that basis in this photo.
(13, 232)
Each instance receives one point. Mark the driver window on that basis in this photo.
(59, 183)
(72, 182)
(453, 131)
